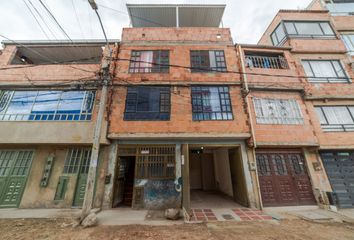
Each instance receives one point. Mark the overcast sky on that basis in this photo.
(247, 18)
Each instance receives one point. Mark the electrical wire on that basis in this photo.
(77, 19)
(55, 20)
(34, 16)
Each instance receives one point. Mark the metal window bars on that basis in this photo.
(278, 62)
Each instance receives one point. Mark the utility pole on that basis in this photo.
(106, 79)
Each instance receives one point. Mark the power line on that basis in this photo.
(56, 21)
(34, 16)
(43, 20)
(77, 19)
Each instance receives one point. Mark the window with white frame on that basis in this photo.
(46, 105)
(324, 71)
(277, 111)
(336, 118)
(349, 42)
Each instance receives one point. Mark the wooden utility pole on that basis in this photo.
(91, 177)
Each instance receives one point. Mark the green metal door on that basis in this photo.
(82, 179)
(14, 168)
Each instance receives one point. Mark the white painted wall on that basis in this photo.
(222, 171)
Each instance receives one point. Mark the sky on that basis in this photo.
(247, 19)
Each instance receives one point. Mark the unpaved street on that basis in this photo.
(266, 230)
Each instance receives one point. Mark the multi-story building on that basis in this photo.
(48, 97)
(320, 42)
(192, 120)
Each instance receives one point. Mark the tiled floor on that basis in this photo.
(238, 214)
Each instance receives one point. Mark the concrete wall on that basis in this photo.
(195, 171)
(222, 171)
(35, 196)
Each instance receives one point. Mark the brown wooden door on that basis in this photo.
(283, 179)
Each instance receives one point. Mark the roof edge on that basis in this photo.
(59, 42)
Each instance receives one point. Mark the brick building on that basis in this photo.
(192, 119)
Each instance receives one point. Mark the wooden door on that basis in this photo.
(283, 179)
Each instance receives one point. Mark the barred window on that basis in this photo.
(336, 118)
(46, 105)
(211, 103)
(324, 71)
(156, 163)
(156, 61)
(277, 111)
(147, 103)
(77, 160)
(207, 61)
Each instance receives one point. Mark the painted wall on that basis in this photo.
(222, 171)
(195, 171)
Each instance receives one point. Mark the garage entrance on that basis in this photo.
(340, 171)
(216, 177)
(14, 169)
(283, 178)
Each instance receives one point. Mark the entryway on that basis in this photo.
(14, 169)
(216, 178)
(124, 182)
(339, 166)
(283, 178)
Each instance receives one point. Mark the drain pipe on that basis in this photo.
(247, 101)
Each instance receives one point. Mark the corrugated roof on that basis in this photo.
(183, 15)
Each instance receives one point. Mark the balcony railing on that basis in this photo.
(277, 62)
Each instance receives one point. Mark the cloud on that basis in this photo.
(247, 19)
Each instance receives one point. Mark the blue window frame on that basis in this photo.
(211, 103)
(46, 105)
(147, 103)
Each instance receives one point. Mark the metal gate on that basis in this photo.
(340, 171)
(14, 168)
(283, 179)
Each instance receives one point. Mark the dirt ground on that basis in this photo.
(39, 229)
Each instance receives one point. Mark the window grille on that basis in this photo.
(147, 103)
(46, 105)
(336, 118)
(211, 103)
(15, 163)
(5, 162)
(156, 61)
(263, 60)
(77, 159)
(207, 61)
(324, 71)
(277, 111)
(155, 163)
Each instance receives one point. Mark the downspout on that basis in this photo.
(247, 101)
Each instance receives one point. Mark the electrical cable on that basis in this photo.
(34, 16)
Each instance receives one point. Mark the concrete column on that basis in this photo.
(112, 160)
(248, 178)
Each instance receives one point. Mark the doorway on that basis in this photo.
(124, 182)
(216, 177)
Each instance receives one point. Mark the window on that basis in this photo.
(336, 118)
(77, 161)
(149, 62)
(211, 103)
(207, 61)
(147, 103)
(266, 60)
(155, 163)
(341, 8)
(324, 71)
(277, 111)
(46, 105)
(349, 42)
(301, 29)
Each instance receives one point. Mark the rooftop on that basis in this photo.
(171, 15)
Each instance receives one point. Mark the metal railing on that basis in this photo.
(278, 62)
(47, 117)
(337, 127)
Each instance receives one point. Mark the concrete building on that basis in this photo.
(192, 120)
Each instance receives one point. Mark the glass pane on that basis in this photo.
(146, 60)
(290, 28)
(322, 69)
(349, 42)
(307, 28)
(327, 29)
(338, 68)
(71, 102)
(46, 102)
(320, 115)
(280, 33)
(274, 38)
(307, 68)
(338, 115)
(22, 102)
